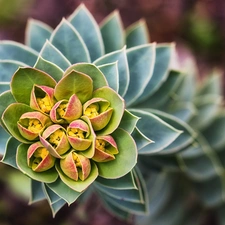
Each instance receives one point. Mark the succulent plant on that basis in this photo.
(79, 103)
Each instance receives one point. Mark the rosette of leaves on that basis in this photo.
(110, 72)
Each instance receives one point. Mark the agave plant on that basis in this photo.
(79, 103)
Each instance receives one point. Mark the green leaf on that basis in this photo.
(111, 73)
(125, 160)
(9, 157)
(124, 182)
(185, 138)
(128, 121)
(50, 68)
(137, 34)
(92, 71)
(10, 50)
(4, 86)
(79, 185)
(120, 57)
(90, 33)
(208, 107)
(65, 192)
(10, 118)
(118, 105)
(37, 193)
(4, 138)
(155, 129)
(8, 68)
(112, 32)
(37, 33)
(48, 176)
(214, 133)
(162, 63)
(141, 60)
(50, 53)
(69, 42)
(74, 83)
(24, 80)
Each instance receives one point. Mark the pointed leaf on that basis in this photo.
(137, 34)
(120, 57)
(111, 74)
(50, 68)
(125, 182)
(52, 54)
(37, 33)
(56, 206)
(79, 185)
(69, 42)
(156, 130)
(160, 72)
(141, 60)
(48, 176)
(125, 160)
(52, 197)
(4, 138)
(37, 193)
(62, 190)
(10, 153)
(23, 81)
(112, 32)
(92, 71)
(90, 33)
(10, 50)
(128, 121)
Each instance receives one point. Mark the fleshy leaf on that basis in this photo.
(62, 190)
(141, 60)
(10, 153)
(52, 197)
(116, 103)
(69, 42)
(36, 34)
(128, 121)
(56, 206)
(120, 57)
(4, 138)
(11, 116)
(124, 162)
(52, 54)
(48, 176)
(50, 68)
(111, 73)
(155, 129)
(10, 50)
(79, 185)
(90, 33)
(74, 83)
(37, 193)
(137, 34)
(125, 182)
(24, 80)
(162, 63)
(92, 71)
(112, 40)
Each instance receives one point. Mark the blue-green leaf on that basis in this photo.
(110, 70)
(56, 206)
(69, 42)
(10, 50)
(119, 56)
(37, 193)
(37, 33)
(4, 138)
(62, 190)
(50, 68)
(52, 197)
(141, 60)
(112, 32)
(162, 63)
(156, 130)
(137, 34)
(90, 33)
(52, 54)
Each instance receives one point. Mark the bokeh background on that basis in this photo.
(197, 27)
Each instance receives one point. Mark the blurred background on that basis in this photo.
(197, 27)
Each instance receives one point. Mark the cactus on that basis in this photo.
(88, 107)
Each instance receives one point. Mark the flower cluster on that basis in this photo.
(66, 126)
